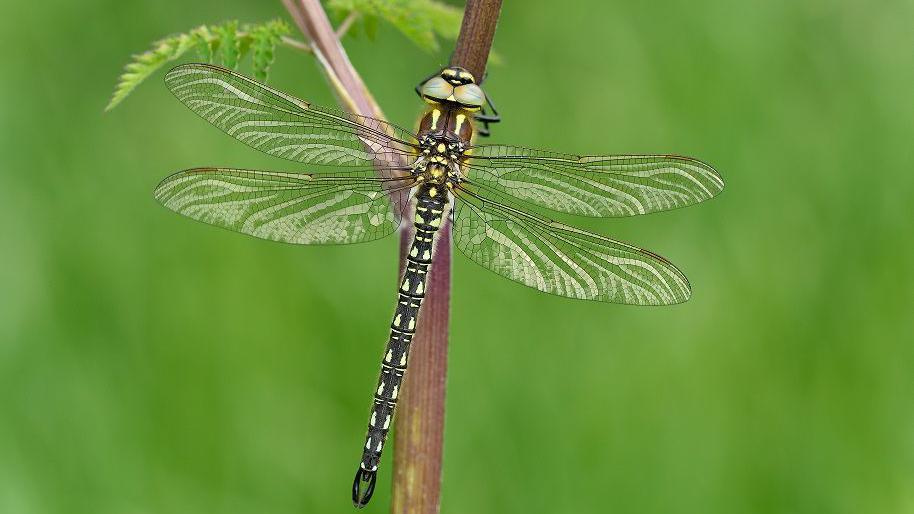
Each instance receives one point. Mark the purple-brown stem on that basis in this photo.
(419, 437)
(419, 434)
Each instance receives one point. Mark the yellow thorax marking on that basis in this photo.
(435, 115)
(460, 119)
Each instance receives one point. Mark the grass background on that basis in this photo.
(149, 364)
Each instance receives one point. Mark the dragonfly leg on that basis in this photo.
(485, 118)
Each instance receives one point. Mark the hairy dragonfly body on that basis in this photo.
(490, 194)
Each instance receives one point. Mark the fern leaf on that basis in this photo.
(445, 19)
(210, 41)
(204, 42)
(370, 25)
(230, 49)
(263, 41)
(418, 20)
(145, 64)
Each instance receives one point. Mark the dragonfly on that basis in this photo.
(493, 196)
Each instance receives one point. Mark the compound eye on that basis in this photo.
(436, 88)
(470, 95)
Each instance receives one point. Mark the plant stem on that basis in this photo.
(419, 436)
(476, 34)
(311, 19)
(296, 44)
(419, 433)
(344, 26)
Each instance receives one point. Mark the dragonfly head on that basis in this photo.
(455, 86)
(457, 76)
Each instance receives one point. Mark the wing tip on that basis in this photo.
(682, 291)
(718, 180)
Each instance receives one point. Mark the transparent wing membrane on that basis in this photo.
(599, 186)
(345, 207)
(491, 225)
(493, 189)
(559, 259)
(284, 126)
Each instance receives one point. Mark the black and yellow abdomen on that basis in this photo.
(431, 204)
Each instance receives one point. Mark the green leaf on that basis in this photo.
(145, 64)
(446, 19)
(370, 25)
(230, 50)
(264, 39)
(224, 40)
(204, 42)
(418, 20)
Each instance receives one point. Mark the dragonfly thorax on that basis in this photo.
(439, 160)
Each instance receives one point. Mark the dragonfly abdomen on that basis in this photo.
(431, 202)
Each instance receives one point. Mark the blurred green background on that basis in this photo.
(150, 364)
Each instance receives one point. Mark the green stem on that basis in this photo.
(296, 44)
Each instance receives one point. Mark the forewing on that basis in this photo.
(349, 207)
(562, 260)
(593, 185)
(282, 125)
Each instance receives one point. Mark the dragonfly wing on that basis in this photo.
(593, 185)
(282, 125)
(349, 207)
(562, 260)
